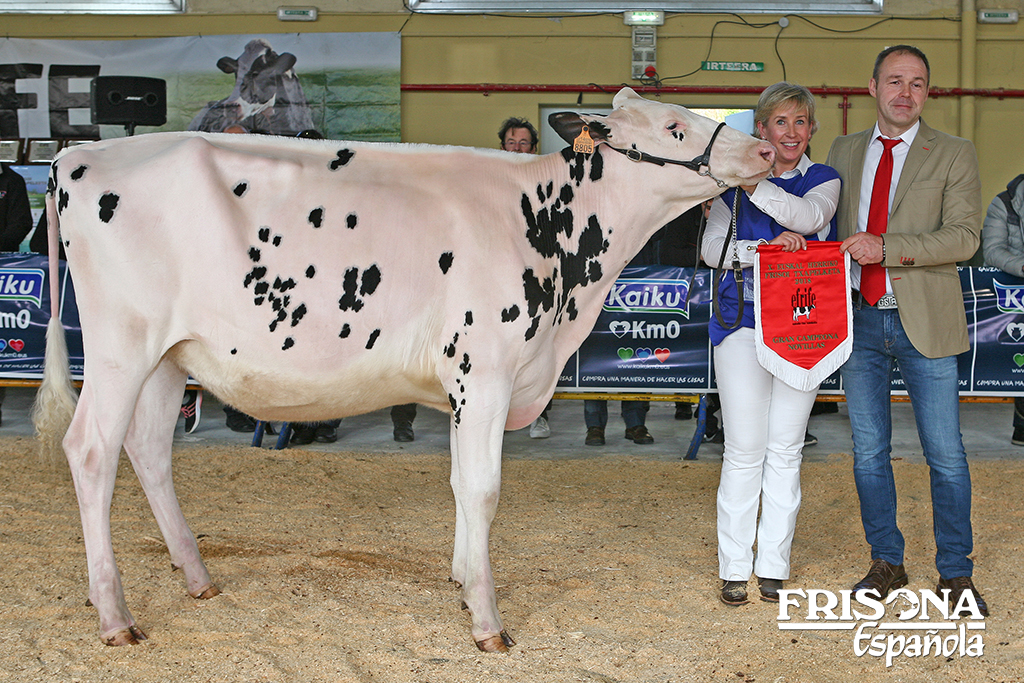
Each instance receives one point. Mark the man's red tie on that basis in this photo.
(872, 276)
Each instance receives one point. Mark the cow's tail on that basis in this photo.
(56, 398)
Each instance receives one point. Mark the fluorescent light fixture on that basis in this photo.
(640, 18)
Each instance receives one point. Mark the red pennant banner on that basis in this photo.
(803, 324)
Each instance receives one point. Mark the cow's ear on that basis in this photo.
(284, 61)
(568, 125)
(626, 93)
(228, 65)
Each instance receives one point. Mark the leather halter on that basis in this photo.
(699, 164)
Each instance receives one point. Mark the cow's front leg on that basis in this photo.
(476, 483)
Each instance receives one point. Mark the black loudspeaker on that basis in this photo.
(129, 101)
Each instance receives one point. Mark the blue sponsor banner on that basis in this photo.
(25, 312)
(648, 337)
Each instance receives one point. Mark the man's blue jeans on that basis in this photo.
(878, 340)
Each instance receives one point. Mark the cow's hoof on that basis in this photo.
(132, 635)
(499, 643)
(209, 591)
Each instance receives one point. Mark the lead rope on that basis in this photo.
(737, 269)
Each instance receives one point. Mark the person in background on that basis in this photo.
(15, 220)
(519, 135)
(1002, 239)
(910, 210)
(765, 419)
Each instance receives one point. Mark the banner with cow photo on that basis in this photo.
(343, 85)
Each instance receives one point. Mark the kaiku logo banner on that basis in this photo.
(18, 284)
(803, 325)
(648, 296)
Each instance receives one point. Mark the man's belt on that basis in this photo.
(886, 303)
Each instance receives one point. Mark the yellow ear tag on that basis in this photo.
(583, 144)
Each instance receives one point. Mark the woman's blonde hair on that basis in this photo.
(785, 93)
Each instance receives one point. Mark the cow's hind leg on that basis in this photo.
(93, 446)
(476, 483)
(148, 444)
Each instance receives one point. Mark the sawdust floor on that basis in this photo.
(334, 567)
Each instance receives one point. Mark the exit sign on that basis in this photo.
(732, 66)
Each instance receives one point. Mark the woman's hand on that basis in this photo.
(790, 241)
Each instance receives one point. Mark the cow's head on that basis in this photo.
(669, 131)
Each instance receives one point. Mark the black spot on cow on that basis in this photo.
(594, 271)
(509, 314)
(234, 351)
(240, 189)
(370, 280)
(261, 287)
(544, 225)
(549, 189)
(264, 234)
(281, 315)
(277, 240)
(79, 172)
(254, 254)
(446, 261)
(345, 331)
(533, 328)
(576, 161)
(62, 200)
(465, 365)
(351, 220)
(566, 194)
(108, 202)
(469, 318)
(284, 285)
(373, 339)
(451, 400)
(310, 272)
(596, 167)
(344, 156)
(288, 343)
(350, 285)
(298, 314)
(449, 350)
(462, 388)
(259, 300)
(540, 193)
(538, 294)
(257, 273)
(571, 309)
(316, 217)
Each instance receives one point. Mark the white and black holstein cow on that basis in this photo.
(314, 279)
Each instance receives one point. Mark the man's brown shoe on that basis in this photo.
(882, 578)
(956, 588)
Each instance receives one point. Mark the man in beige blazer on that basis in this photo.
(913, 313)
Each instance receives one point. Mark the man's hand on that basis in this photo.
(864, 248)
